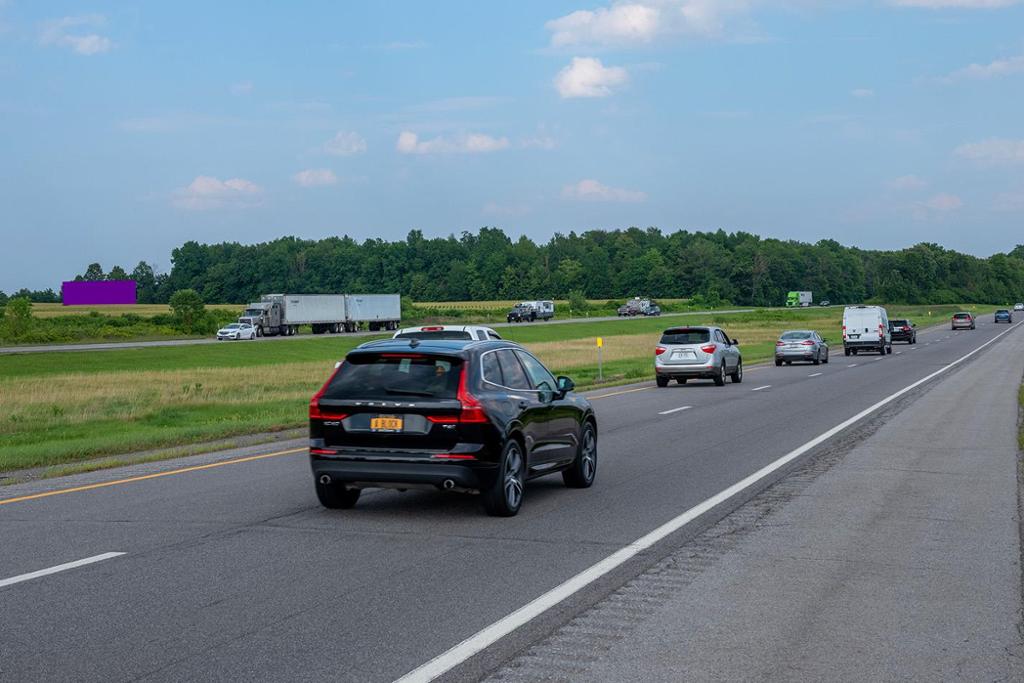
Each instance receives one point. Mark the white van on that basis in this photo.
(867, 328)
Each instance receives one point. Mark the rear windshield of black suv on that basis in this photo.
(686, 335)
(395, 377)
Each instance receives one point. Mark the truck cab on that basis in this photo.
(265, 316)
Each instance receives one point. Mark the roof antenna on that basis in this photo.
(413, 343)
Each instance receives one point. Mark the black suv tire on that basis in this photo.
(581, 473)
(337, 496)
(505, 496)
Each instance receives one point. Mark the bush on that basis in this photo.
(189, 310)
(17, 318)
(578, 302)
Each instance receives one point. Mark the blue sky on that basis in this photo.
(131, 127)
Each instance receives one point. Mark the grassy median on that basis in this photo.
(74, 406)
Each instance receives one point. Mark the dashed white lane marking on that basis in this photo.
(815, 374)
(448, 660)
(897, 352)
(852, 365)
(674, 410)
(766, 386)
(59, 568)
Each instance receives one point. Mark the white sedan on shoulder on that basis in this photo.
(237, 331)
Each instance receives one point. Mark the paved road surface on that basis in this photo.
(106, 346)
(235, 573)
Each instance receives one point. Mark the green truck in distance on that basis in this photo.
(801, 299)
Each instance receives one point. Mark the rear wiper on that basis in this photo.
(409, 392)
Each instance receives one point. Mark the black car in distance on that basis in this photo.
(903, 330)
(451, 415)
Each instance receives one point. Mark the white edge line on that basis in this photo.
(59, 568)
(448, 660)
(815, 374)
(674, 410)
(766, 386)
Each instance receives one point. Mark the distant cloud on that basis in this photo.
(943, 202)
(993, 151)
(962, 4)
(402, 45)
(908, 182)
(207, 192)
(63, 32)
(345, 144)
(469, 143)
(315, 177)
(588, 77)
(641, 22)
(981, 72)
(862, 92)
(593, 191)
(241, 88)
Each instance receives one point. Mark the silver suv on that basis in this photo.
(697, 353)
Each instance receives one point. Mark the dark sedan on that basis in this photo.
(469, 416)
(903, 330)
(1003, 315)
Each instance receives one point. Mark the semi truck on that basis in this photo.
(802, 299)
(282, 314)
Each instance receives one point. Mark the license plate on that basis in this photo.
(683, 354)
(854, 336)
(386, 423)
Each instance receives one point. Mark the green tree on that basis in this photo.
(18, 317)
(578, 302)
(188, 309)
(117, 273)
(94, 272)
(145, 283)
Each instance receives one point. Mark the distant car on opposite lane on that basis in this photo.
(686, 353)
(1003, 316)
(903, 330)
(825, 302)
(963, 321)
(236, 331)
(795, 345)
(468, 332)
(1018, 307)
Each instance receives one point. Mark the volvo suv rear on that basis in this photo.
(470, 416)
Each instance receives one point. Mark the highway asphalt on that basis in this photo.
(234, 572)
(106, 346)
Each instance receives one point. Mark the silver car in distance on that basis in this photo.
(803, 345)
(697, 353)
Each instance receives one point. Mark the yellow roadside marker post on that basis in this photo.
(600, 370)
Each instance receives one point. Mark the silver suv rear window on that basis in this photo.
(686, 335)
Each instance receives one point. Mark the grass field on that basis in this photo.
(144, 310)
(72, 407)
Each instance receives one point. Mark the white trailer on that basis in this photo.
(284, 313)
(376, 311)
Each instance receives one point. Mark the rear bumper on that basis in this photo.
(687, 371)
(794, 355)
(962, 326)
(858, 344)
(379, 471)
(903, 336)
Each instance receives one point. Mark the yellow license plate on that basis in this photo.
(386, 424)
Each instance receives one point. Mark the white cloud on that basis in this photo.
(993, 151)
(962, 4)
(862, 92)
(241, 88)
(996, 69)
(593, 191)
(207, 192)
(588, 77)
(345, 144)
(59, 32)
(641, 22)
(469, 143)
(315, 177)
(943, 202)
(908, 182)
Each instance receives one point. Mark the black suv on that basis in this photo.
(451, 415)
(903, 330)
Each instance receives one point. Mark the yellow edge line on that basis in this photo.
(118, 482)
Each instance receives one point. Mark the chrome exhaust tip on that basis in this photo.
(325, 479)
(448, 484)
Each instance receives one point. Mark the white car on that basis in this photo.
(237, 331)
(1018, 307)
(477, 332)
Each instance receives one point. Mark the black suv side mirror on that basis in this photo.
(565, 385)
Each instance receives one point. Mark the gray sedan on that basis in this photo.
(803, 345)
(697, 352)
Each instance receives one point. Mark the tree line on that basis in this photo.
(717, 266)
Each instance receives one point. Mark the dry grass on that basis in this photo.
(504, 305)
(144, 310)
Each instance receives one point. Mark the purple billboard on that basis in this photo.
(93, 293)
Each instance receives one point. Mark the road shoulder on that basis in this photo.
(898, 559)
